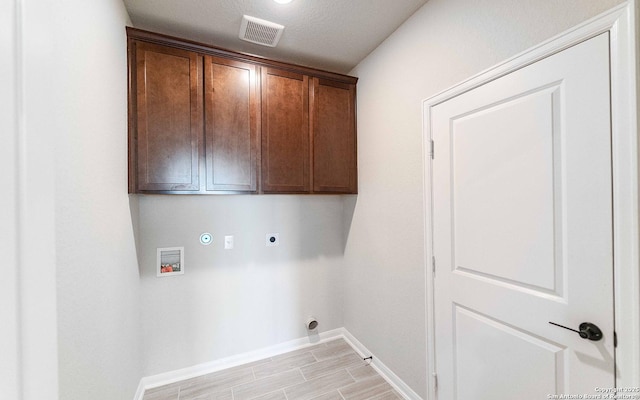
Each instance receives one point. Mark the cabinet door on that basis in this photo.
(231, 114)
(333, 137)
(285, 132)
(169, 119)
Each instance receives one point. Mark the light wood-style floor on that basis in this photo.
(327, 371)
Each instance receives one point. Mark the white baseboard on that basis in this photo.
(393, 379)
(166, 378)
(140, 391)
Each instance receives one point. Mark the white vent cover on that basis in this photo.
(259, 31)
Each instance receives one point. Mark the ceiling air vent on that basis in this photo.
(259, 31)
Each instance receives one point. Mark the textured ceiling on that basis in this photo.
(333, 35)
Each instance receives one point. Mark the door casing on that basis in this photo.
(620, 21)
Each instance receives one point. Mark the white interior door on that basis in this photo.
(522, 231)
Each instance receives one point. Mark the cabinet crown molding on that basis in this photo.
(205, 49)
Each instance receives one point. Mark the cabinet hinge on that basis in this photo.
(435, 381)
(432, 150)
(615, 339)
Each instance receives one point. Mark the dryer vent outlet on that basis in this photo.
(259, 31)
(312, 324)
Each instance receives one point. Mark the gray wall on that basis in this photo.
(84, 108)
(233, 301)
(443, 43)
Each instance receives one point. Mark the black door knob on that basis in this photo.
(591, 331)
(587, 330)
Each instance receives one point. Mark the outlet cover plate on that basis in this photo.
(228, 242)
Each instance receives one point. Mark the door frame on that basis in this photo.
(620, 22)
(28, 311)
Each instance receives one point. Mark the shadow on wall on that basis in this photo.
(349, 208)
(309, 227)
(134, 209)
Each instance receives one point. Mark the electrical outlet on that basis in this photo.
(228, 242)
(273, 239)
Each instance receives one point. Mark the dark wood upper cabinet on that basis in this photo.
(333, 135)
(231, 125)
(285, 132)
(168, 113)
(205, 120)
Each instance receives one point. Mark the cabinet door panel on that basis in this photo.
(231, 125)
(285, 131)
(334, 137)
(169, 119)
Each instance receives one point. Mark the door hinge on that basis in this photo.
(432, 150)
(433, 266)
(435, 381)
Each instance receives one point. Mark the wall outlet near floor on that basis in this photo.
(273, 239)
